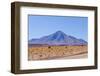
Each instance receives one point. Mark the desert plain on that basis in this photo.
(57, 52)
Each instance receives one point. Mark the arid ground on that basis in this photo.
(57, 52)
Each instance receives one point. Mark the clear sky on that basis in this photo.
(40, 25)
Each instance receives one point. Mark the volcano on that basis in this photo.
(57, 38)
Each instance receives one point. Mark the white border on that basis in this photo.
(25, 64)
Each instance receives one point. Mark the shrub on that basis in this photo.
(66, 47)
(49, 46)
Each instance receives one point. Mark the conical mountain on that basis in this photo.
(58, 38)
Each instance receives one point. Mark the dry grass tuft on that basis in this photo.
(47, 52)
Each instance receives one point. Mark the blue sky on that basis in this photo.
(40, 25)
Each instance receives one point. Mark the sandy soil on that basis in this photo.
(57, 52)
(84, 55)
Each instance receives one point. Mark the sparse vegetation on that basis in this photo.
(44, 52)
(49, 46)
(66, 47)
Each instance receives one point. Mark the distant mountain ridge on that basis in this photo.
(58, 38)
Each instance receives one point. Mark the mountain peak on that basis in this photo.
(58, 36)
(59, 31)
